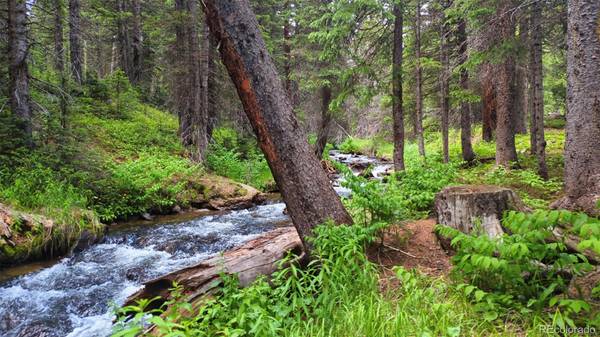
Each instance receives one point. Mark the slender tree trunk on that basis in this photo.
(419, 82)
(325, 125)
(465, 108)
(18, 48)
(537, 89)
(136, 42)
(304, 185)
(212, 83)
(505, 87)
(488, 118)
(75, 40)
(398, 111)
(582, 147)
(124, 39)
(190, 93)
(205, 75)
(59, 58)
(287, 52)
(520, 109)
(445, 88)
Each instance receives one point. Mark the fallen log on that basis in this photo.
(254, 258)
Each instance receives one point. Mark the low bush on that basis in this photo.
(525, 271)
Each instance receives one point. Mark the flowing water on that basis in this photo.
(76, 296)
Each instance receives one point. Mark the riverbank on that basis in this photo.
(119, 160)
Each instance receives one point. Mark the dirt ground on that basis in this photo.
(411, 245)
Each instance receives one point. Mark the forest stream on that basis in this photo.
(76, 296)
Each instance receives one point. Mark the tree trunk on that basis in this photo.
(506, 151)
(520, 108)
(191, 83)
(398, 111)
(325, 126)
(476, 209)
(211, 83)
(124, 39)
(465, 108)
(59, 58)
(537, 89)
(287, 54)
(75, 40)
(445, 87)
(305, 187)
(488, 113)
(419, 82)
(582, 147)
(18, 48)
(136, 42)
(256, 257)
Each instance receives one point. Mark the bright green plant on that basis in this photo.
(525, 270)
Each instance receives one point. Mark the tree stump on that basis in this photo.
(476, 208)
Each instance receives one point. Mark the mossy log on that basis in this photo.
(257, 257)
(476, 208)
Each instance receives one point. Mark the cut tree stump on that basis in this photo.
(476, 208)
(256, 257)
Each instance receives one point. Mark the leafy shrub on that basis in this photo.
(350, 145)
(525, 271)
(150, 182)
(405, 195)
(238, 159)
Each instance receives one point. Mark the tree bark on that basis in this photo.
(59, 58)
(418, 128)
(476, 209)
(488, 113)
(190, 81)
(325, 126)
(506, 151)
(75, 40)
(305, 187)
(397, 110)
(124, 39)
(537, 89)
(445, 86)
(465, 108)
(582, 147)
(18, 48)
(256, 257)
(520, 108)
(136, 42)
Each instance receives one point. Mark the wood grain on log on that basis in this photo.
(256, 257)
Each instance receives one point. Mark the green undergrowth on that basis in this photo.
(341, 292)
(535, 192)
(526, 272)
(337, 294)
(239, 158)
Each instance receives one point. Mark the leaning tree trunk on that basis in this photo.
(476, 209)
(75, 40)
(506, 151)
(304, 185)
(18, 48)
(582, 147)
(398, 112)
(418, 120)
(537, 89)
(465, 108)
